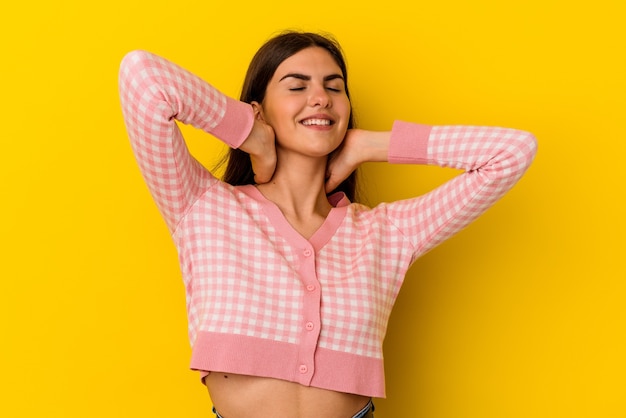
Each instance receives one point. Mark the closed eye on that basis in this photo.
(333, 89)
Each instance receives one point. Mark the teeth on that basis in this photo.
(316, 122)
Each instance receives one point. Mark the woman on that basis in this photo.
(290, 284)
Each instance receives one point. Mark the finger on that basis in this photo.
(330, 187)
(263, 169)
(333, 181)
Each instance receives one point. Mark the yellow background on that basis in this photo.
(521, 315)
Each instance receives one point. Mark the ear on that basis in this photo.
(257, 108)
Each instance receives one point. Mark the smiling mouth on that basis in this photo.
(317, 122)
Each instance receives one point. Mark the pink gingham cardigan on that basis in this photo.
(262, 300)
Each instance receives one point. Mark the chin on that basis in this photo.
(323, 151)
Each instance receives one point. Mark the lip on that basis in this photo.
(319, 116)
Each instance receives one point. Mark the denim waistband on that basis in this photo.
(366, 410)
(363, 413)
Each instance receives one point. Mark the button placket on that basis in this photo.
(305, 366)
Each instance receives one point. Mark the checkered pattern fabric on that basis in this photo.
(263, 300)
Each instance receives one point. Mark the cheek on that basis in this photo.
(281, 123)
(345, 111)
(343, 104)
(278, 114)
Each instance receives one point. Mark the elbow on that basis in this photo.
(129, 66)
(517, 146)
(527, 148)
(515, 153)
(133, 58)
(519, 154)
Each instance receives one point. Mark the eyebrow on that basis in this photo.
(308, 77)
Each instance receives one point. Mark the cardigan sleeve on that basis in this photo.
(156, 93)
(492, 160)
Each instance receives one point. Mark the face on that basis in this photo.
(306, 103)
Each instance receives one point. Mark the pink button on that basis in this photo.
(310, 326)
(307, 253)
(303, 369)
(310, 287)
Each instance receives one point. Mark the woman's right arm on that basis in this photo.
(154, 94)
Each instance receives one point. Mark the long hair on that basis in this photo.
(260, 72)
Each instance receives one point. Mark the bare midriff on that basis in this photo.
(239, 396)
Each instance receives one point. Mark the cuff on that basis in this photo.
(237, 123)
(408, 143)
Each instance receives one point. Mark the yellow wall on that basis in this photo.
(521, 315)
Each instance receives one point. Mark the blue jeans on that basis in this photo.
(366, 412)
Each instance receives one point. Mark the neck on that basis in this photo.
(297, 188)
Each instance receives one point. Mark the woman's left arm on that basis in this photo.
(493, 160)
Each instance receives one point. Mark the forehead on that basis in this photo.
(309, 61)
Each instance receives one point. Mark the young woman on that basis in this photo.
(290, 284)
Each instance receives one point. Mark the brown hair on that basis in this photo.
(260, 72)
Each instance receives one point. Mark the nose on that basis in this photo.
(319, 97)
